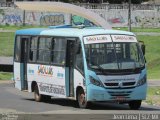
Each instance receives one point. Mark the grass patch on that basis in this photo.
(6, 44)
(153, 96)
(12, 27)
(6, 76)
(157, 30)
(152, 55)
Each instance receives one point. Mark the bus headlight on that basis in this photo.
(95, 82)
(142, 81)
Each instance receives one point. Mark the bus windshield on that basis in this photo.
(114, 56)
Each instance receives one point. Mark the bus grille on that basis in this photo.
(111, 84)
(128, 83)
(120, 85)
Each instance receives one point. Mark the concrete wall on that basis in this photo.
(140, 18)
(116, 17)
(11, 16)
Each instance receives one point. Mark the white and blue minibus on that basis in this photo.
(87, 64)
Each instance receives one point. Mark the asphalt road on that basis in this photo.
(13, 100)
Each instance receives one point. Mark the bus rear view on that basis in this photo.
(116, 69)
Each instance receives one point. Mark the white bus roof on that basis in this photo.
(71, 32)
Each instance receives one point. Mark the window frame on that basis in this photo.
(29, 47)
(38, 43)
(15, 49)
(75, 66)
(20, 56)
(53, 64)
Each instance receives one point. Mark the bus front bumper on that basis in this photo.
(96, 93)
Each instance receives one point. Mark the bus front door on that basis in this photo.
(23, 68)
(70, 68)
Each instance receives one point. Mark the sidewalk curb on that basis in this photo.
(6, 81)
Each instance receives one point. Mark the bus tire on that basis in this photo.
(135, 104)
(38, 97)
(82, 103)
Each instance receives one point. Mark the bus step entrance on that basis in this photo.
(25, 90)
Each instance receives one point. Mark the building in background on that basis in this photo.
(96, 1)
(6, 0)
(154, 2)
(3, 0)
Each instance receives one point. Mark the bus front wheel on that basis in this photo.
(81, 99)
(135, 104)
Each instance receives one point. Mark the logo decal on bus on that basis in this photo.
(120, 84)
(30, 71)
(45, 70)
(97, 39)
(60, 75)
(123, 38)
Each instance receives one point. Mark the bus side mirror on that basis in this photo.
(143, 47)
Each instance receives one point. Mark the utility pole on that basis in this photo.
(102, 2)
(24, 17)
(129, 15)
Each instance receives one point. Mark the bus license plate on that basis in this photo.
(120, 98)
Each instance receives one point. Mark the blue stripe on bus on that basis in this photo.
(33, 31)
(60, 26)
(67, 81)
(62, 31)
(22, 75)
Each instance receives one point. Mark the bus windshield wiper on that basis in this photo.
(99, 67)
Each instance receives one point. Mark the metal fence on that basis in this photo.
(6, 4)
(103, 6)
(120, 6)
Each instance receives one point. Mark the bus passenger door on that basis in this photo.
(24, 58)
(20, 62)
(70, 68)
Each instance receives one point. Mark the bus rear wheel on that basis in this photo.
(81, 99)
(135, 104)
(37, 96)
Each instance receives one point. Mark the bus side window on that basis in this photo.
(58, 52)
(79, 60)
(17, 49)
(33, 49)
(44, 49)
